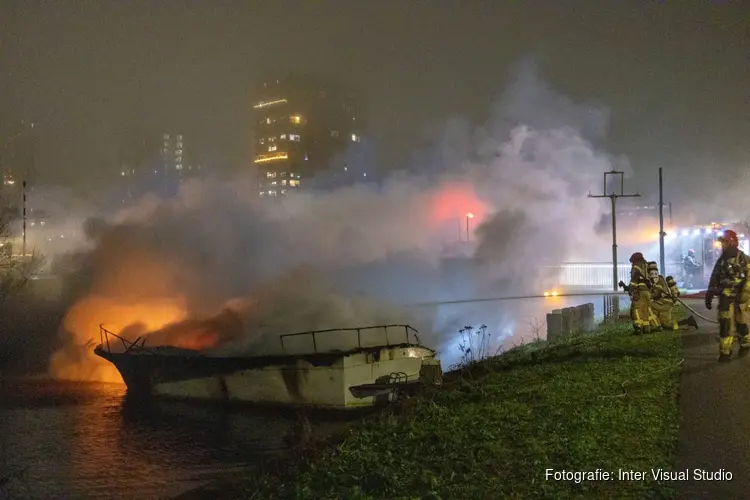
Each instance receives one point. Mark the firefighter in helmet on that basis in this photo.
(640, 295)
(664, 294)
(661, 298)
(691, 269)
(729, 282)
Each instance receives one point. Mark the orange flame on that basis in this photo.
(78, 361)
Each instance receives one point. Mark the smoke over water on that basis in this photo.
(216, 268)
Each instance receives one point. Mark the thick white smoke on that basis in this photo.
(353, 256)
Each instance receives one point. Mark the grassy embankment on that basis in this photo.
(604, 401)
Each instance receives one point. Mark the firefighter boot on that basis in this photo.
(689, 322)
(743, 336)
(725, 340)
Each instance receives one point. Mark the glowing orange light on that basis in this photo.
(295, 119)
(280, 156)
(546, 294)
(554, 294)
(123, 317)
(453, 201)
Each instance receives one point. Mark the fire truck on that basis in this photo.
(704, 240)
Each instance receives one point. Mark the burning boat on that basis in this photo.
(338, 369)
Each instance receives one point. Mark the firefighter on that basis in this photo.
(691, 269)
(661, 298)
(664, 294)
(729, 282)
(675, 293)
(640, 296)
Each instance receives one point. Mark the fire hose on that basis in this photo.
(697, 313)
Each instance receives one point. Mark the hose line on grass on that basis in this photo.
(628, 382)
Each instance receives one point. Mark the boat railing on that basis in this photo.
(407, 329)
(138, 344)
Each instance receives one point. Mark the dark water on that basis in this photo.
(81, 440)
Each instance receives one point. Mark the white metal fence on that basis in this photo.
(587, 274)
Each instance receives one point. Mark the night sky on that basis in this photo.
(675, 76)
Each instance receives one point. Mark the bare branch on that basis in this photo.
(15, 270)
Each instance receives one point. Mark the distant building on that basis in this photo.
(302, 125)
(157, 163)
(17, 162)
(17, 165)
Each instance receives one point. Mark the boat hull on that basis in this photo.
(323, 380)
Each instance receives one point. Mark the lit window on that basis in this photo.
(295, 119)
(283, 174)
(283, 136)
(179, 137)
(272, 148)
(265, 158)
(42, 223)
(271, 139)
(271, 175)
(294, 137)
(268, 121)
(179, 159)
(294, 182)
(262, 141)
(272, 192)
(179, 145)
(262, 193)
(334, 133)
(346, 168)
(283, 183)
(365, 174)
(283, 191)
(121, 173)
(355, 138)
(179, 152)
(274, 183)
(305, 156)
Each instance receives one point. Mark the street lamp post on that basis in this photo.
(468, 216)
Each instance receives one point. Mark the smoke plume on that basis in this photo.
(217, 267)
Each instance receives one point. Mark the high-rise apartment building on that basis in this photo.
(156, 162)
(301, 124)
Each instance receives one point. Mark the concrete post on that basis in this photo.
(554, 325)
(589, 322)
(566, 321)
